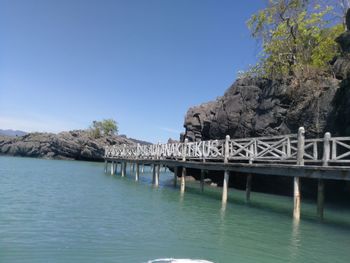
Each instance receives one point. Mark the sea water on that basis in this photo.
(70, 211)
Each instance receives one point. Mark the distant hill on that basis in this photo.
(134, 140)
(73, 145)
(12, 133)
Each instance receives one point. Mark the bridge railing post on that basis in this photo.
(300, 161)
(226, 173)
(301, 146)
(320, 183)
(138, 152)
(124, 150)
(326, 148)
(183, 175)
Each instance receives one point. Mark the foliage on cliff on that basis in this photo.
(297, 37)
(104, 127)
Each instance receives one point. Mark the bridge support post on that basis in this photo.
(320, 184)
(112, 167)
(106, 165)
(300, 161)
(227, 173)
(183, 180)
(248, 187)
(115, 168)
(123, 168)
(175, 175)
(225, 186)
(153, 174)
(157, 168)
(143, 168)
(296, 211)
(183, 173)
(137, 173)
(320, 198)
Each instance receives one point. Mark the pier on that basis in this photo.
(290, 155)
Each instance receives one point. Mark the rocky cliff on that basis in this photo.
(75, 145)
(262, 107)
(259, 107)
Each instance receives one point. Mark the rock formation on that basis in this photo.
(75, 145)
(262, 107)
(258, 107)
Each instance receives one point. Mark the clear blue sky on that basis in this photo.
(64, 63)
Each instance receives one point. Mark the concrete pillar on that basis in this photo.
(183, 173)
(183, 180)
(153, 174)
(137, 173)
(123, 167)
(115, 168)
(143, 168)
(300, 161)
(226, 173)
(106, 165)
(225, 186)
(248, 187)
(112, 167)
(296, 211)
(157, 168)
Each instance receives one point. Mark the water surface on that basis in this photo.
(69, 211)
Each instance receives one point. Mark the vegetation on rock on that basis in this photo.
(297, 37)
(104, 127)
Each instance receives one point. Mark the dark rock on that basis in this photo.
(259, 107)
(344, 41)
(341, 67)
(76, 145)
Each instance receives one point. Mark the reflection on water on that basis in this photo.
(295, 239)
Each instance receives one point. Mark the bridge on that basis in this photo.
(290, 155)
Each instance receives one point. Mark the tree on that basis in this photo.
(109, 127)
(296, 36)
(104, 127)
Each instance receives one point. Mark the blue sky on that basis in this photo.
(65, 63)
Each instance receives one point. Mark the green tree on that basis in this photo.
(109, 127)
(297, 36)
(104, 127)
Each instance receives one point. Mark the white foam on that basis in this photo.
(174, 260)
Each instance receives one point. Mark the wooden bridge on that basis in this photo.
(287, 155)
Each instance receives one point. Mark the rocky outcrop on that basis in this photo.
(254, 107)
(75, 145)
(258, 107)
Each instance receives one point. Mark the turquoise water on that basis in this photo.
(69, 211)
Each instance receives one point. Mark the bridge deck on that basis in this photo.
(287, 155)
(314, 171)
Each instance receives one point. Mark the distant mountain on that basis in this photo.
(12, 133)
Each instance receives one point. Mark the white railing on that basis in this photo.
(293, 148)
